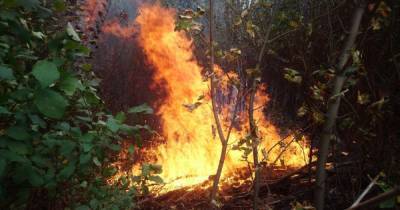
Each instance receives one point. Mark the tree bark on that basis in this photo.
(221, 136)
(333, 108)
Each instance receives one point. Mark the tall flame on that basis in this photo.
(191, 152)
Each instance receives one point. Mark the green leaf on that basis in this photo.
(6, 73)
(96, 161)
(41, 161)
(138, 140)
(94, 203)
(21, 173)
(18, 133)
(146, 170)
(131, 149)
(87, 137)
(18, 147)
(156, 179)
(35, 178)
(183, 24)
(293, 76)
(115, 147)
(3, 165)
(112, 124)
(50, 103)
(36, 120)
(67, 147)
(144, 108)
(59, 5)
(83, 207)
(156, 168)
(84, 158)
(72, 33)
(13, 157)
(120, 117)
(4, 110)
(388, 204)
(21, 94)
(45, 72)
(87, 147)
(350, 70)
(28, 4)
(84, 184)
(69, 85)
(91, 98)
(66, 172)
(38, 34)
(86, 67)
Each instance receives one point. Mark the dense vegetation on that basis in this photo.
(56, 138)
(305, 48)
(305, 43)
(58, 142)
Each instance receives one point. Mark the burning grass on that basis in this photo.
(234, 194)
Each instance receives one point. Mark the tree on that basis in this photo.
(333, 108)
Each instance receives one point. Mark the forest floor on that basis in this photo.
(280, 188)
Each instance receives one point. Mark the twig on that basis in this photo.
(364, 193)
(282, 35)
(284, 138)
(372, 202)
(284, 150)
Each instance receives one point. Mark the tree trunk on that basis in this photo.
(221, 136)
(333, 108)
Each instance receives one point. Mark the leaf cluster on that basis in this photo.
(55, 134)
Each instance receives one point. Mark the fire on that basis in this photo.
(192, 150)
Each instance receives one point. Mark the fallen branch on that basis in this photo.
(364, 193)
(372, 202)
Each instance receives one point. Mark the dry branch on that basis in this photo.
(372, 202)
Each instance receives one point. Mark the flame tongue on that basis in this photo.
(191, 152)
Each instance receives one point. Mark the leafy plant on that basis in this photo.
(55, 134)
(148, 177)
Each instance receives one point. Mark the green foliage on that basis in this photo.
(45, 72)
(144, 108)
(50, 103)
(148, 177)
(386, 186)
(55, 135)
(293, 76)
(186, 20)
(245, 146)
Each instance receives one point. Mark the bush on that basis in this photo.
(55, 135)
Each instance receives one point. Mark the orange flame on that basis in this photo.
(191, 152)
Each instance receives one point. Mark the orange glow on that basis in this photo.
(91, 10)
(115, 28)
(191, 151)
